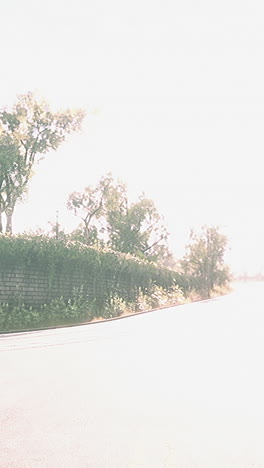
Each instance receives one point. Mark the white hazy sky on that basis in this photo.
(178, 89)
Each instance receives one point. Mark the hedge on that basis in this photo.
(102, 275)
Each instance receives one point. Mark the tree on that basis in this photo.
(28, 131)
(204, 261)
(10, 164)
(135, 228)
(89, 206)
(109, 218)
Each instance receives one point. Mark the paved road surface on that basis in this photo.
(182, 388)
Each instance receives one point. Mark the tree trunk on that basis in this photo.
(9, 216)
(1, 221)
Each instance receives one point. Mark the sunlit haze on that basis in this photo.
(175, 108)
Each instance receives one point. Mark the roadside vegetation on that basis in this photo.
(120, 247)
(16, 316)
(110, 284)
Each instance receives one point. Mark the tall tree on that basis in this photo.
(10, 163)
(89, 207)
(135, 228)
(204, 260)
(27, 131)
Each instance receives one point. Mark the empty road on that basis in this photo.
(182, 387)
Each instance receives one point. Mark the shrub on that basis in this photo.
(108, 282)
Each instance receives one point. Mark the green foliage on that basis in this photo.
(18, 316)
(89, 206)
(204, 261)
(28, 131)
(159, 297)
(111, 282)
(115, 308)
(135, 228)
(110, 219)
(10, 163)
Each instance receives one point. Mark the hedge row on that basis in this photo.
(102, 276)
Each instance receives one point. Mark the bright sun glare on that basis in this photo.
(179, 93)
